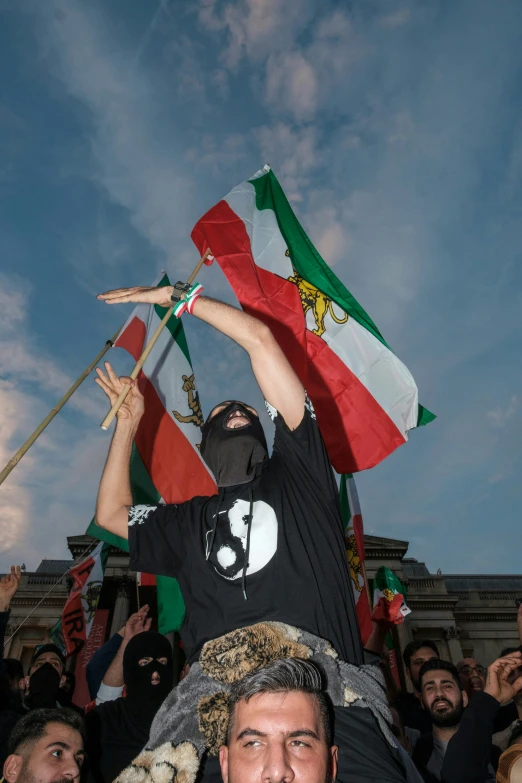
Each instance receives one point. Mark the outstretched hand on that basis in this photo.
(133, 407)
(502, 681)
(148, 294)
(9, 584)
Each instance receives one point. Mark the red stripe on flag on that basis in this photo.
(171, 460)
(364, 617)
(173, 464)
(132, 339)
(357, 431)
(146, 580)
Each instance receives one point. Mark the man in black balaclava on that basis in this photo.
(46, 674)
(270, 545)
(234, 444)
(118, 730)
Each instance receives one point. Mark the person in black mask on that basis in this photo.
(269, 546)
(118, 730)
(46, 675)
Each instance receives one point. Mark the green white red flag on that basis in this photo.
(80, 608)
(389, 597)
(354, 538)
(166, 465)
(365, 398)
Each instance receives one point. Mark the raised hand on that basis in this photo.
(504, 678)
(133, 407)
(137, 623)
(160, 296)
(9, 584)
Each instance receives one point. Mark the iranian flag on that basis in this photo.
(166, 465)
(365, 398)
(354, 538)
(80, 608)
(389, 597)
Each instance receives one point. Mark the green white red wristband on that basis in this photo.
(187, 300)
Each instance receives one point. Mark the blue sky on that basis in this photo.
(396, 130)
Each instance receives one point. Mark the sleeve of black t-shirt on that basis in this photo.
(469, 750)
(157, 538)
(303, 450)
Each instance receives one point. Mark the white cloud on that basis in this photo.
(291, 152)
(396, 18)
(217, 155)
(22, 357)
(15, 414)
(254, 28)
(51, 493)
(56, 465)
(291, 85)
(499, 417)
(135, 162)
(329, 234)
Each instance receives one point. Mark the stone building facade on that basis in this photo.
(464, 614)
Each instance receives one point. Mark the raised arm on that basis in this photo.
(114, 494)
(278, 382)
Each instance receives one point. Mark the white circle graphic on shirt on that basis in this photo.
(226, 556)
(263, 539)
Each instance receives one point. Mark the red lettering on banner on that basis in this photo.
(73, 619)
(94, 642)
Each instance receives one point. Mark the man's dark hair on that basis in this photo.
(413, 647)
(47, 648)
(32, 726)
(510, 650)
(14, 669)
(284, 676)
(436, 665)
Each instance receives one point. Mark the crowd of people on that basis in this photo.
(278, 687)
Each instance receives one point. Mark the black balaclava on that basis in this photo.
(233, 455)
(43, 686)
(142, 695)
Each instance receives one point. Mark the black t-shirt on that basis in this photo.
(412, 712)
(298, 571)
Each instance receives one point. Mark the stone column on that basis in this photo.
(121, 608)
(452, 635)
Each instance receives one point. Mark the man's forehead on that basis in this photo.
(276, 713)
(48, 657)
(60, 732)
(437, 676)
(469, 662)
(424, 653)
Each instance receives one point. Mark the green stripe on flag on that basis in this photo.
(171, 606)
(425, 416)
(310, 265)
(173, 324)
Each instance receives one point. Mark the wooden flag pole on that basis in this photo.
(57, 408)
(144, 356)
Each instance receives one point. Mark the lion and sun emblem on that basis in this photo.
(315, 301)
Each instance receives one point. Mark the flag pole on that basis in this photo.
(57, 408)
(144, 356)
